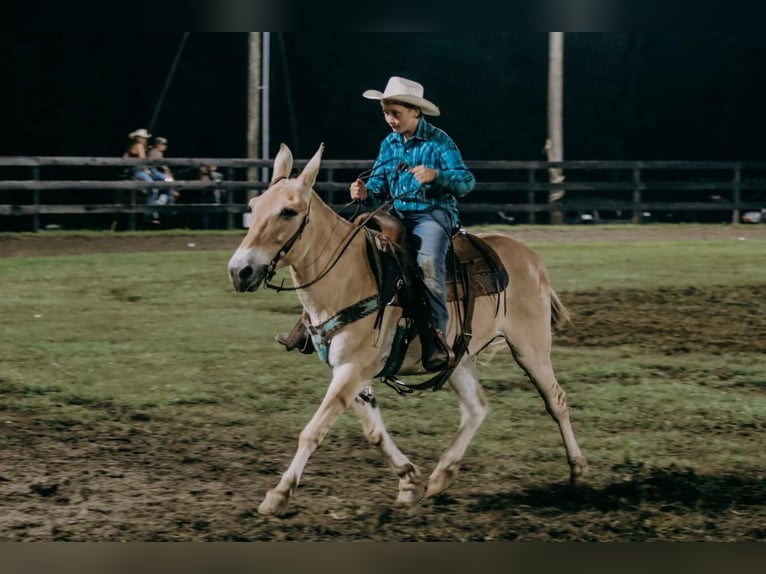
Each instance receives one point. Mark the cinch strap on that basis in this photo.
(321, 335)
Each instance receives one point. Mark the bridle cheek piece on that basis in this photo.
(271, 268)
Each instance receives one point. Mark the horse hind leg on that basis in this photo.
(411, 483)
(536, 363)
(473, 411)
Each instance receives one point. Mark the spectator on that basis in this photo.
(160, 173)
(157, 151)
(137, 149)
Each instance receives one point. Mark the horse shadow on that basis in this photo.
(632, 485)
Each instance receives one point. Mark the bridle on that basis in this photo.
(271, 268)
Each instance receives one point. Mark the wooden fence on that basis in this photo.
(92, 192)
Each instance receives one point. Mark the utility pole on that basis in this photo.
(253, 104)
(554, 145)
(265, 99)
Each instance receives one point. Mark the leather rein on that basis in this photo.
(271, 269)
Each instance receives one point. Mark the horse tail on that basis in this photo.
(559, 313)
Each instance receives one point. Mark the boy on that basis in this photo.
(420, 168)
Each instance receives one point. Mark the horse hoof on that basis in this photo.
(438, 483)
(577, 471)
(411, 496)
(274, 504)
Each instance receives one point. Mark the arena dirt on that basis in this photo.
(137, 479)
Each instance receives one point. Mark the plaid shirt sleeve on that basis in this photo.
(432, 148)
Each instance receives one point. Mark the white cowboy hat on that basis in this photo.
(404, 90)
(142, 133)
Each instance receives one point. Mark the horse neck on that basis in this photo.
(349, 279)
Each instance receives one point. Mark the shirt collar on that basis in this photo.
(424, 131)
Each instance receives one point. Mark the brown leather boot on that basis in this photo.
(297, 338)
(436, 353)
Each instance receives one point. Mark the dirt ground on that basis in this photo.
(137, 479)
(42, 244)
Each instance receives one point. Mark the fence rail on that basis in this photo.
(39, 191)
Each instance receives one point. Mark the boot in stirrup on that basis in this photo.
(297, 338)
(436, 352)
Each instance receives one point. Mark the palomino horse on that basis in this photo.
(291, 226)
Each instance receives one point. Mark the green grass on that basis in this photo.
(90, 337)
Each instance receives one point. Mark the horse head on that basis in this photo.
(279, 216)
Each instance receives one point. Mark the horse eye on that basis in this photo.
(287, 213)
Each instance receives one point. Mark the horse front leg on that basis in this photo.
(411, 484)
(344, 387)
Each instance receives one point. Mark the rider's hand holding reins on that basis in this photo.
(358, 190)
(424, 174)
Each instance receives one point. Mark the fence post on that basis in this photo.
(229, 198)
(737, 192)
(636, 217)
(36, 200)
(331, 192)
(132, 215)
(531, 195)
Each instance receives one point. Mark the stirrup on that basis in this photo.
(297, 338)
(437, 355)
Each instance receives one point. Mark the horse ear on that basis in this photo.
(309, 173)
(283, 163)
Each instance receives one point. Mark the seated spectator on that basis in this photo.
(136, 148)
(160, 173)
(157, 151)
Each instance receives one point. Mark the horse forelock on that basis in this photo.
(283, 192)
(276, 215)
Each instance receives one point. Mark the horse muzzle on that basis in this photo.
(246, 271)
(247, 278)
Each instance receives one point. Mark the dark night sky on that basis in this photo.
(654, 95)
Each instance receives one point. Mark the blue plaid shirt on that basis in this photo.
(433, 148)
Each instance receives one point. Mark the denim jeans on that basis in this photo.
(153, 196)
(431, 231)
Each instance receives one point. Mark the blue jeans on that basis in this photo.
(431, 231)
(153, 196)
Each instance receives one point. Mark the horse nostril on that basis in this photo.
(245, 273)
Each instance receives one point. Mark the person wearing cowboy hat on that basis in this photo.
(136, 148)
(420, 168)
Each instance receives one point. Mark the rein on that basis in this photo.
(271, 269)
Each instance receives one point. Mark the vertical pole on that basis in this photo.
(636, 216)
(36, 199)
(132, 215)
(253, 104)
(330, 199)
(229, 200)
(266, 61)
(554, 146)
(531, 196)
(736, 193)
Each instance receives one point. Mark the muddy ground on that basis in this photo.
(137, 479)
